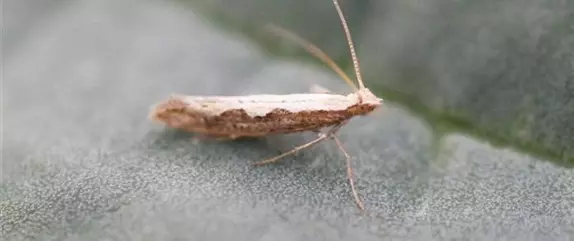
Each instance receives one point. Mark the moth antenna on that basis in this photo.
(313, 50)
(350, 43)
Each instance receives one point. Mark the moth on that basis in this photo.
(232, 117)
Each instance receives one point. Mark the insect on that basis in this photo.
(232, 117)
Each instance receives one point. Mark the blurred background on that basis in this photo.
(476, 139)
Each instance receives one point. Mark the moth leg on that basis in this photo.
(333, 134)
(322, 136)
(349, 173)
(318, 89)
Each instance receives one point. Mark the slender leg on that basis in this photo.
(333, 134)
(322, 136)
(350, 173)
(315, 88)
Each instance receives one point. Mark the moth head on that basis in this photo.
(367, 97)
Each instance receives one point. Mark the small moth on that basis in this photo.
(232, 117)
